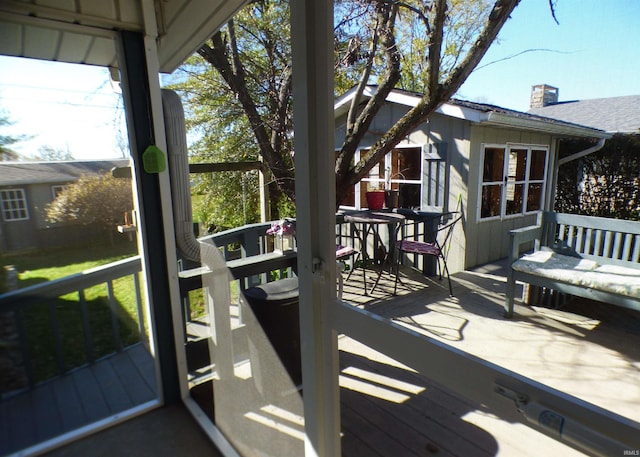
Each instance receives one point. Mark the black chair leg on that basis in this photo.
(446, 270)
(398, 257)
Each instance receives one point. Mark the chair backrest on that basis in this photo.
(445, 231)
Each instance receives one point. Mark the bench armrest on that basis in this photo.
(521, 236)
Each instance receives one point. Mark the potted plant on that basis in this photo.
(284, 232)
(390, 195)
(375, 196)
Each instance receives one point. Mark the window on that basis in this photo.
(512, 180)
(14, 205)
(57, 190)
(400, 170)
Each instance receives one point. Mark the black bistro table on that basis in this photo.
(367, 223)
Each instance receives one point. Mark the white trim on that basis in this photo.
(462, 112)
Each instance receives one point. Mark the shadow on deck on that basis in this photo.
(588, 349)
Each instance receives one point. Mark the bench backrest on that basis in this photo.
(591, 237)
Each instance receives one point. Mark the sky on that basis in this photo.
(593, 52)
(67, 107)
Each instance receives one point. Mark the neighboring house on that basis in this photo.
(613, 115)
(26, 188)
(500, 163)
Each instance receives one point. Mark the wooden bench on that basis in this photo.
(592, 257)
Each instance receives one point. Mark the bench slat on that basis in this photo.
(635, 257)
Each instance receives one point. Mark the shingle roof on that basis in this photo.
(21, 173)
(484, 113)
(614, 115)
(543, 117)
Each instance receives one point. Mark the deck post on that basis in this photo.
(143, 107)
(312, 49)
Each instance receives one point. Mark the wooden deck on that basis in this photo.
(388, 410)
(83, 396)
(589, 350)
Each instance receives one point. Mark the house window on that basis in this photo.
(14, 205)
(399, 170)
(56, 191)
(512, 180)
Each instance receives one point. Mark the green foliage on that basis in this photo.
(227, 199)
(219, 120)
(6, 141)
(464, 22)
(99, 201)
(605, 183)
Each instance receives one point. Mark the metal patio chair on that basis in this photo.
(411, 242)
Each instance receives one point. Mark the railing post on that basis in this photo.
(86, 328)
(313, 122)
(57, 340)
(114, 316)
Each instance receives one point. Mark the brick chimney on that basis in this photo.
(543, 95)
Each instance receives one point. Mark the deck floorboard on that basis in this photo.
(91, 397)
(76, 399)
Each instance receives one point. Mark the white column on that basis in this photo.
(312, 46)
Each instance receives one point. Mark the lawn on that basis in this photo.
(66, 313)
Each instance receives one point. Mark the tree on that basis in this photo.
(51, 154)
(6, 141)
(605, 183)
(376, 42)
(93, 201)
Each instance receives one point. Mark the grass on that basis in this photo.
(47, 265)
(66, 312)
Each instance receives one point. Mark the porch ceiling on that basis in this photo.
(84, 31)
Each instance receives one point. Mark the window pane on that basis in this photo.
(536, 171)
(409, 196)
(517, 164)
(493, 165)
(514, 196)
(534, 197)
(491, 200)
(405, 163)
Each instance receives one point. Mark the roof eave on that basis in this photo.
(539, 125)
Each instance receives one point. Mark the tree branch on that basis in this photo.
(435, 46)
(439, 93)
(387, 15)
(232, 71)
